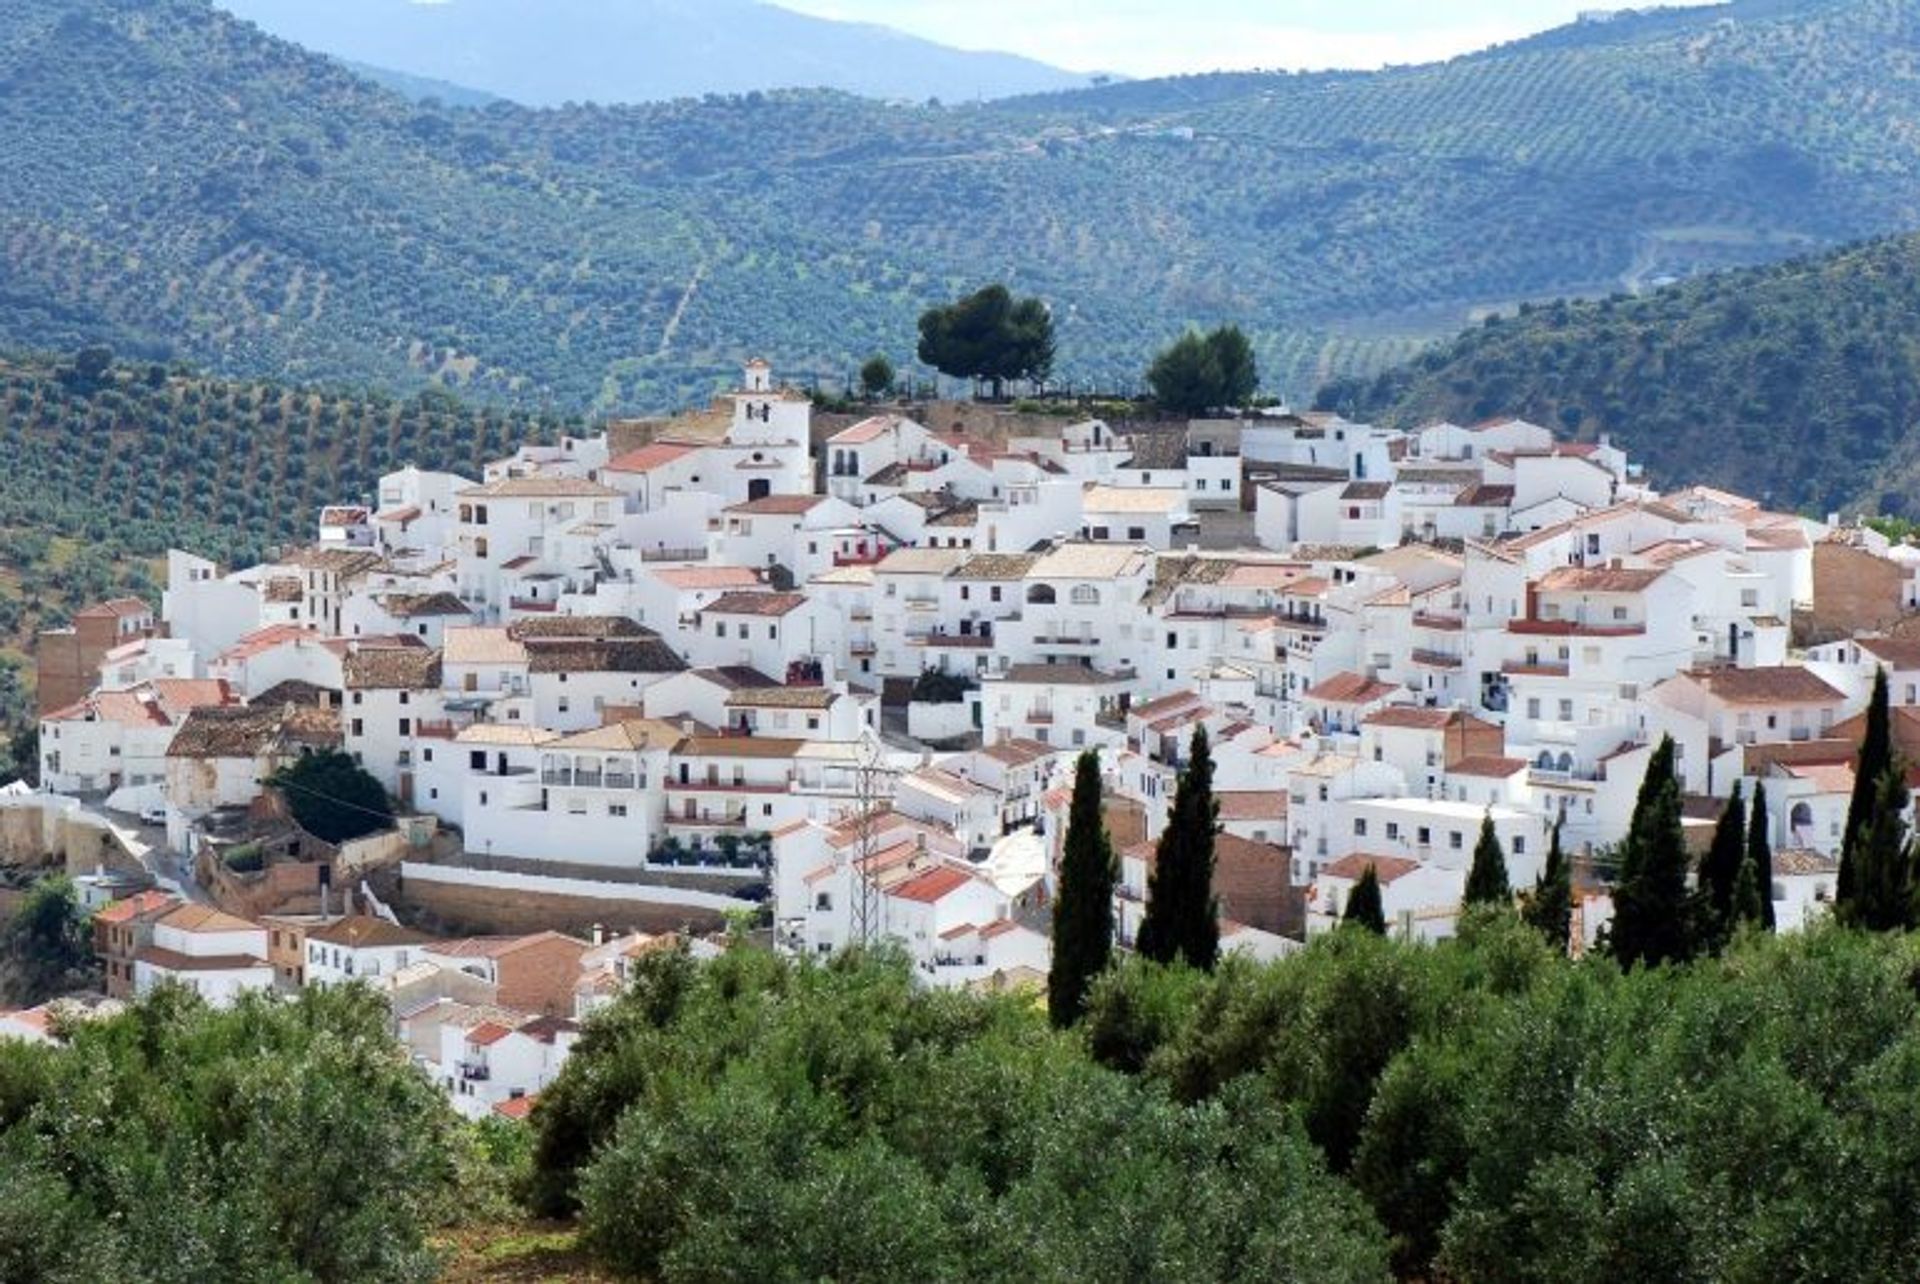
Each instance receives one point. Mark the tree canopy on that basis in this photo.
(333, 798)
(1202, 372)
(1083, 911)
(1487, 880)
(989, 337)
(1651, 919)
(1183, 915)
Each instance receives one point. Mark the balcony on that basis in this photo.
(534, 605)
(1434, 659)
(729, 786)
(1534, 669)
(473, 1071)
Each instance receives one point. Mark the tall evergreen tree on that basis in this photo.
(1487, 882)
(1721, 870)
(1746, 898)
(1550, 908)
(1883, 898)
(1183, 918)
(1876, 755)
(1083, 914)
(1650, 919)
(1364, 908)
(1760, 854)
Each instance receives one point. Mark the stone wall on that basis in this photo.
(47, 831)
(475, 909)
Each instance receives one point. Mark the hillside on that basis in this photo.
(1799, 383)
(553, 52)
(184, 187)
(103, 475)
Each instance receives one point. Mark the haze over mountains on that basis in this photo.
(552, 52)
(184, 186)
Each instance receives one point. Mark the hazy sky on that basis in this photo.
(1161, 37)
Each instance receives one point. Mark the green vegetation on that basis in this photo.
(876, 376)
(1874, 760)
(989, 337)
(1198, 372)
(1794, 384)
(1487, 880)
(1183, 916)
(1365, 909)
(1481, 1109)
(282, 1140)
(1549, 909)
(333, 798)
(1653, 919)
(46, 946)
(184, 188)
(1083, 912)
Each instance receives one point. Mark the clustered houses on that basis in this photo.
(846, 667)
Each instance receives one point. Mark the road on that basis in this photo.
(169, 871)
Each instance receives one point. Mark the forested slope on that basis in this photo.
(1798, 383)
(182, 186)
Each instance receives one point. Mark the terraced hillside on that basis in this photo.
(183, 186)
(1799, 382)
(102, 475)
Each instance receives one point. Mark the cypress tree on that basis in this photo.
(1183, 918)
(1746, 897)
(1883, 861)
(1721, 870)
(1650, 900)
(1363, 906)
(1487, 878)
(1876, 755)
(1760, 855)
(1550, 909)
(1083, 914)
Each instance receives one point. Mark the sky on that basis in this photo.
(1167, 37)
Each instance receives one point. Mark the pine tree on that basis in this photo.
(1363, 905)
(1650, 900)
(1721, 870)
(1760, 855)
(1487, 882)
(1183, 918)
(1083, 914)
(1550, 909)
(1876, 755)
(1883, 861)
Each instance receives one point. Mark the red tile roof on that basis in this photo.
(654, 455)
(487, 1033)
(934, 885)
(1387, 868)
(1351, 688)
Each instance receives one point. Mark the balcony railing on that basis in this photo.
(474, 1070)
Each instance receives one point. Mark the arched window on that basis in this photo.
(1801, 817)
(1041, 595)
(1086, 595)
(1566, 762)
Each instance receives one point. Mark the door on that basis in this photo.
(759, 488)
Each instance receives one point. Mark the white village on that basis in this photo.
(825, 679)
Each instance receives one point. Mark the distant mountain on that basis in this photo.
(544, 53)
(1798, 383)
(181, 186)
(421, 88)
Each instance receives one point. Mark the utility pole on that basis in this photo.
(866, 896)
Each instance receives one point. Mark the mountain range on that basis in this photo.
(185, 187)
(544, 53)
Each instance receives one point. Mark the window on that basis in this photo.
(1566, 711)
(358, 729)
(1519, 844)
(1085, 595)
(995, 594)
(1533, 708)
(406, 726)
(1424, 837)
(1620, 613)
(1393, 831)
(1136, 532)
(1359, 826)
(477, 760)
(1453, 839)
(616, 809)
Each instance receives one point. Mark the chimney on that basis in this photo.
(599, 934)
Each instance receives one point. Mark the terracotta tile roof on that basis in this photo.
(1411, 718)
(1778, 684)
(1133, 499)
(602, 655)
(1897, 653)
(482, 645)
(364, 931)
(1485, 495)
(705, 577)
(254, 731)
(283, 589)
(1351, 688)
(515, 1107)
(346, 563)
(486, 1034)
(1387, 869)
(1252, 804)
(1070, 675)
(139, 905)
(114, 609)
(205, 918)
(1599, 579)
(625, 736)
(391, 669)
(263, 640)
(1486, 765)
(934, 885)
(653, 455)
(1366, 490)
(779, 505)
(769, 604)
(996, 566)
(539, 487)
(414, 606)
(867, 430)
(734, 677)
(1800, 861)
(736, 747)
(781, 697)
(1018, 751)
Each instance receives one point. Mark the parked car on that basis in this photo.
(154, 815)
